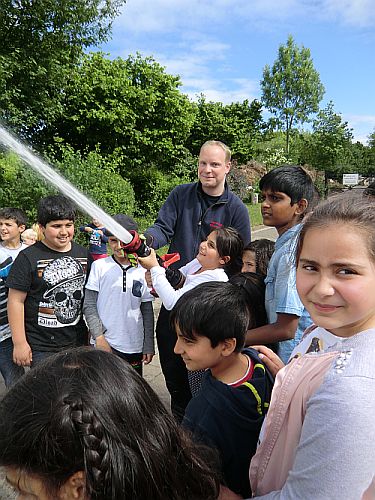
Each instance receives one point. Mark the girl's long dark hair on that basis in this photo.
(87, 410)
(229, 244)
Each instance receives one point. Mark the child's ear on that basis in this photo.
(301, 206)
(224, 260)
(228, 346)
(74, 487)
(21, 228)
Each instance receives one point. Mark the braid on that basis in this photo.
(95, 447)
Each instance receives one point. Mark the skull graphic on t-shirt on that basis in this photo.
(65, 280)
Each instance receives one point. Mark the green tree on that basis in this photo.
(237, 124)
(371, 140)
(41, 41)
(362, 159)
(131, 107)
(209, 124)
(329, 145)
(246, 123)
(291, 89)
(97, 177)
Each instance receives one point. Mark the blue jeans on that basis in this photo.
(9, 370)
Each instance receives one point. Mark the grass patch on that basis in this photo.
(255, 214)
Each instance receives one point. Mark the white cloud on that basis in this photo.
(360, 13)
(171, 16)
(361, 119)
(231, 90)
(158, 16)
(213, 49)
(201, 74)
(362, 125)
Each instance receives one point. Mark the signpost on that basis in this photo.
(350, 179)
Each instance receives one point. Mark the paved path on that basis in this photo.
(152, 372)
(264, 232)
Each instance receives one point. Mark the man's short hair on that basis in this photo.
(291, 180)
(55, 207)
(221, 145)
(15, 214)
(216, 310)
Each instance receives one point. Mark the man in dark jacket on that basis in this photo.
(188, 215)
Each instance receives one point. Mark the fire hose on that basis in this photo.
(138, 246)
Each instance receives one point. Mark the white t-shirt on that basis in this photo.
(119, 310)
(169, 295)
(13, 252)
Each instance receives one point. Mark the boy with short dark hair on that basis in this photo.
(12, 223)
(287, 192)
(46, 285)
(211, 322)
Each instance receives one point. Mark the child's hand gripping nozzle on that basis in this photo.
(137, 245)
(174, 276)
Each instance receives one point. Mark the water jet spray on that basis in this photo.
(131, 242)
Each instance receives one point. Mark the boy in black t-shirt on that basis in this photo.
(46, 286)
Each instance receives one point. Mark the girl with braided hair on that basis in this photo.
(84, 425)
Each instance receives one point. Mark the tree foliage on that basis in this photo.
(361, 159)
(237, 124)
(41, 41)
(330, 140)
(291, 89)
(131, 107)
(328, 147)
(371, 140)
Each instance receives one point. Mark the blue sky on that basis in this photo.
(220, 47)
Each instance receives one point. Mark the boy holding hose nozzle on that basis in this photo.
(139, 247)
(118, 304)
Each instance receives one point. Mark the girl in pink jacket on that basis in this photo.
(319, 436)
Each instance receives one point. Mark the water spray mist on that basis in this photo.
(50, 175)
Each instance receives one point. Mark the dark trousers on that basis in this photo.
(173, 368)
(135, 360)
(39, 356)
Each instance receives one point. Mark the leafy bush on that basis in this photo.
(97, 178)
(21, 187)
(152, 187)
